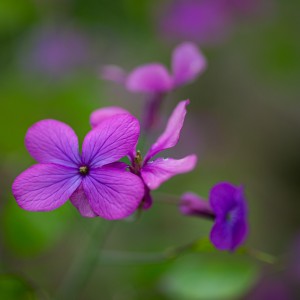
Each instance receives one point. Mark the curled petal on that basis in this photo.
(151, 78)
(102, 114)
(111, 140)
(112, 192)
(192, 205)
(45, 187)
(171, 135)
(80, 201)
(187, 63)
(156, 172)
(51, 141)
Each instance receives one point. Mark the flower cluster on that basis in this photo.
(98, 184)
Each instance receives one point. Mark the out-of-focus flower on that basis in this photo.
(96, 184)
(155, 172)
(205, 21)
(155, 80)
(227, 206)
(56, 50)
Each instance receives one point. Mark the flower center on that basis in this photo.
(137, 163)
(83, 170)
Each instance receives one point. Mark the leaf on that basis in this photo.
(209, 277)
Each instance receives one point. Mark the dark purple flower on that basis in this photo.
(155, 172)
(96, 184)
(227, 206)
(155, 81)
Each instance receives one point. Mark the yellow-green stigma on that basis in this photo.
(138, 158)
(83, 170)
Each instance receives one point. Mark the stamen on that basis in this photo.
(83, 170)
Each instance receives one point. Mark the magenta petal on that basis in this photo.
(45, 187)
(154, 173)
(111, 140)
(102, 114)
(113, 193)
(193, 205)
(171, 135)
(80, 201)
(151, 78)
(51, 141)
(187, 63)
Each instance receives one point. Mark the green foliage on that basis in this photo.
(195, 277)
(13, 287)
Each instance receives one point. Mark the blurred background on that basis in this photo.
(243, 123)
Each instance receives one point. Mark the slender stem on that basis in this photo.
(85, 263)
(261, 256)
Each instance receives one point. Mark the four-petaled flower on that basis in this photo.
(154, 173)
(94, 181)
(227, 206)
(154, 79)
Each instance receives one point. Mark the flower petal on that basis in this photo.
(222, 198)
(51, 141)
(112, 192)
(156, 172)
(228, 236)
(113, 73)
(80, 201)
(151, 78)
(171, 135)
(102, 114)
(110, 140)
(193, 205)
(45, 187)
(187, 63)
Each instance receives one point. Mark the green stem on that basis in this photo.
(85, 263)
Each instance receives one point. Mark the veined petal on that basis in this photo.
(156, 172)
(151, 78)
(187, 63)
(113, 192)
(171, 135)
(45, 187)
(112, 139)
(102, 114)
(51, 141)
(80, 201)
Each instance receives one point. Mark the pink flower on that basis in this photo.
(187, 63)
(155, 81)
(155, 172)
(96, 184)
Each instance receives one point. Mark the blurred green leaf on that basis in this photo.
(209, 277)
(27, 233)
(15, 288)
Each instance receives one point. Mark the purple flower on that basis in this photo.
(227, 206)
(57, 50)
(155, 80)
(206, 21)
(203, 21)
(155, 172)
(96, 184)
